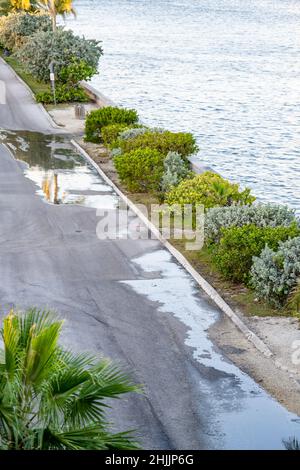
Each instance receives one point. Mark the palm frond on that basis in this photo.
(292, 444)
(11, 336)
(41, 348)
(51, 398)
(93, 437)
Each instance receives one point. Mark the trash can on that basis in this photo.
(79, 111)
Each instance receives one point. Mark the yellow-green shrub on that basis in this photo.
(209, 189)
(141, 170)
(165, 142)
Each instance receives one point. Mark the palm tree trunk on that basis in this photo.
(53, 14)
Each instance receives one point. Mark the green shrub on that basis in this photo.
(103, 117)
(261, 215)
(64, 94)
(275, 274)
(78, 70)
(209, 189)
(176, 169)
(133, 132)
(164, 142)
(17, 28)
(233, 256)
(63, 47)
(141, 170)
(111, 133)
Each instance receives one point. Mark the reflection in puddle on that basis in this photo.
(62, 175)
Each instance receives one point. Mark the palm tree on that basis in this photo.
(53, 7)
(51, 398)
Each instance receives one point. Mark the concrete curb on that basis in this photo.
(44, 111)
(205, 286)
(96, 95)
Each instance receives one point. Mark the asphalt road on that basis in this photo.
(148, 314)
(17, 109)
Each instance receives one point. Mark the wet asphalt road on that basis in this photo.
(50, 257)
(18, 111)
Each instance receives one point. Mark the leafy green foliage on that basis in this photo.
(275, 273)
(111, 133)
(68, 89)
(141, 170)
(51, 398)
(77, 71)
(17, 28)
(209, 189)
(233, 256)
(62, 47)
(64, 94)
(261, 215)
(100, 118)
(133, 132)
(164, 142)
(176, 169)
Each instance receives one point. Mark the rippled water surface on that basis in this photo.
(229, 71)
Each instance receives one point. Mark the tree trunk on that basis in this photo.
(52, 9)
(54, 27)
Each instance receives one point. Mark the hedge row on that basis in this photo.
(256, 244)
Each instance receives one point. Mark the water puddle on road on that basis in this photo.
(242, 414)
(62, 175)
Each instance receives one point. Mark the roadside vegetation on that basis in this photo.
(250, 245)
(53, 399)
(30, 45)
(251, 251)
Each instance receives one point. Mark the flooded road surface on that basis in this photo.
(62, 175)
(126, 299)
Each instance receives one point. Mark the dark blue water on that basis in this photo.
(229, 71)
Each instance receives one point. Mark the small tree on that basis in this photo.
(51, 398)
